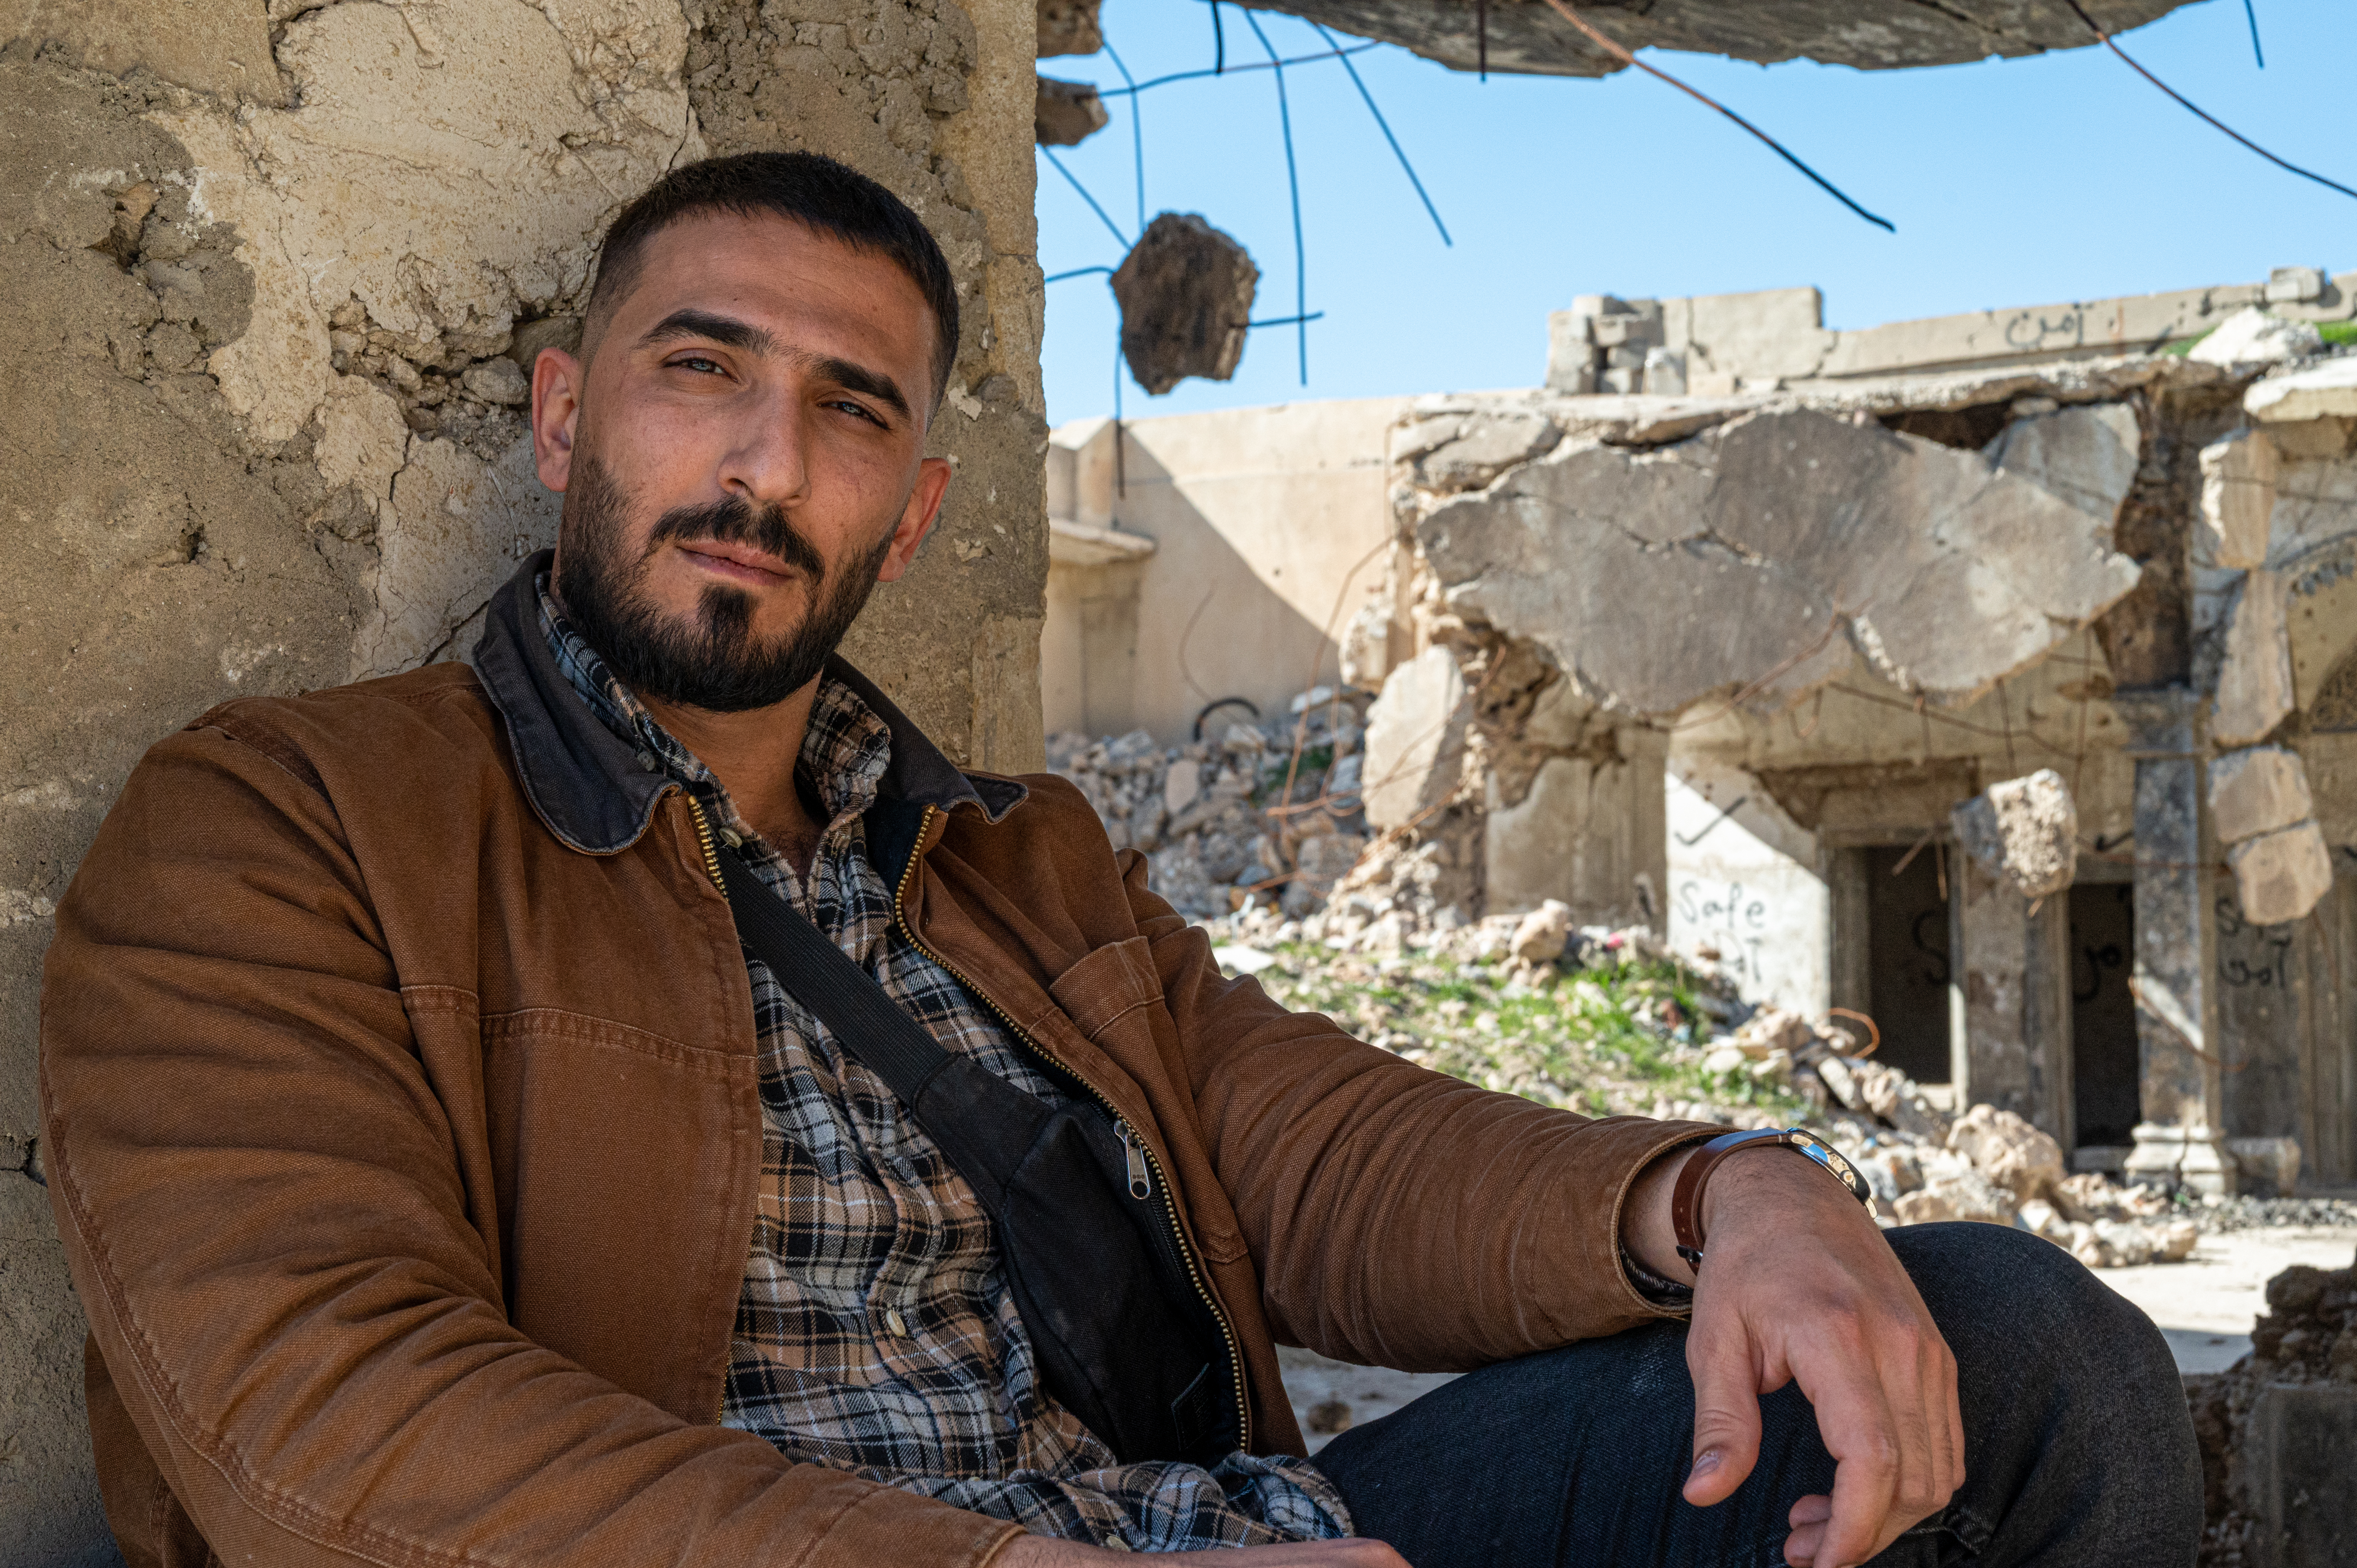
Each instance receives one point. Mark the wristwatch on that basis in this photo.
(1685, 1199)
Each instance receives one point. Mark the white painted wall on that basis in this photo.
(1749, 883)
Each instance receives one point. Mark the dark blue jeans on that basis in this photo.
(2078, 1447)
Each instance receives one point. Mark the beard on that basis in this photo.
(708, 659)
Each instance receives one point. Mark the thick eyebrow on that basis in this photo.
(732, 333)
(726, 330)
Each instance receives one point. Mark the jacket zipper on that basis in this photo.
(711, 869)
(1143, 1166)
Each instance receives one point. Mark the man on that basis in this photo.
(446, 1183)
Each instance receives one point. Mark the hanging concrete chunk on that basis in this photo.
(1066, 113)
(2025, 831)
(2279, 876)
(2260, 790)
(1068, 27)
(1415, 739)
(1186, 293)
(2255, 689)
(2238, 497)
(1767, 555)
(2327, 391)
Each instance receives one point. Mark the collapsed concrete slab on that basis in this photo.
(2024, 830)
(1416, 740)
(2238, 497)
(2327, 392)
(1765, 555)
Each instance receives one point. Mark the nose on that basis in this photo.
(765, 461)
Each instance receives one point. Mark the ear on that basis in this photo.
(556, 388)
(917, 519)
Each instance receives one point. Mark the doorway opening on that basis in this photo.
(1906, 964)
(2105, 1095)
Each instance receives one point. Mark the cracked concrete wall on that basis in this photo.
(273, 270)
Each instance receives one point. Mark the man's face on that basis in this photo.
(742, 458)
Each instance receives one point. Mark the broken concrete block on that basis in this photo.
(2252, 337)
(1787, 544)
(1571, 353)
(2266, 1164)
(2255, 689)
(2279, 876)
(1969, 1195)
(2025, 831)
(2327, 392)
(2238, 497)
(2294, 286)
(2259, 789)
(1366, 653)
(1065, 113)
(2086, 454)
(1665, 372)
(1186, 293)
(1541, 936)
(2009, 1151)
(1415, 739)
(1068, 27)
(1182, 785)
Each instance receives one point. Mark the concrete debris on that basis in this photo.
(1365, 657)
(1543, 933)
(2238, 497)
(1186, 292)
(2259, 789)
(2255, 682)
(1955, 574)
(1070, 27)
(1417, 734)
(1217, 817)
(2275, 1430)
(2025, 831)
(2327, 392)
(2269, 1167)
(1066, 113)
(2279, 876)
(1870, 35)
(2009, 1151)
(2252, 337)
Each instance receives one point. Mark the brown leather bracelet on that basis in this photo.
(1686, 1198)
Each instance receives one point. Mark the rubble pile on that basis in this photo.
(2307, 1336)
(1266, 813)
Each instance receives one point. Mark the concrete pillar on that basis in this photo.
(2182, 1140)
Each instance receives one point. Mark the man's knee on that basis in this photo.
(2010, 1298)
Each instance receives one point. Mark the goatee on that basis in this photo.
(709, 659)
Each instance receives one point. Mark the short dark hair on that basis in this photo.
(811, 189)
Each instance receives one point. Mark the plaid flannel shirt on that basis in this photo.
(875, 1332)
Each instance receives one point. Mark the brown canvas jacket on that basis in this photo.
(399, 1102)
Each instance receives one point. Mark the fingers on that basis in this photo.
(1726, 1407)
(1808, 1519)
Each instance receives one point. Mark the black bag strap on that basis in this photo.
(825, 978)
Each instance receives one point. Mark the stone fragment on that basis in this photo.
(2238, 497)
(1068, 27)
(2009, 1151)
(2258, 790)
(2025, 831)
(1544, 933)
(1925, 1206)
(1182, 785)
(2041, 1218)
(501, 381)
(1415, 739)
(2254, 684)
(1066, 113)
(1366, 653)
(2267, 1163)
(2326, 392)
(2125, 1244)
(2088, 1197)
(2279, 876)
(1969, 1195)
(2252, 337)
(1186, 292)
(1774, 1029)
(1789, 543)
(1720, 1060)
(2086, 454)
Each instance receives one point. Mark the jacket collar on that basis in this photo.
(585, 782)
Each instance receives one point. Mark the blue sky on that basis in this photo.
(2012, 182)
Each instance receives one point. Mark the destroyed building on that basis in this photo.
(1731, 627)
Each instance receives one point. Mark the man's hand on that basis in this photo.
(1041, 1552)
(1797, 1284)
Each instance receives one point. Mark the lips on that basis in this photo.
(741, 562)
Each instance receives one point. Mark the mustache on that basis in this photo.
(736, 521)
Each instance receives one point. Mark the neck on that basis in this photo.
(753, 755)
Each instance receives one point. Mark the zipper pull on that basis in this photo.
(1141, 1175)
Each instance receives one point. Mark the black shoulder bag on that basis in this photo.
(1119, 1328)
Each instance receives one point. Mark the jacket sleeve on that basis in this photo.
(263, 1207)
(1398, 1217)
